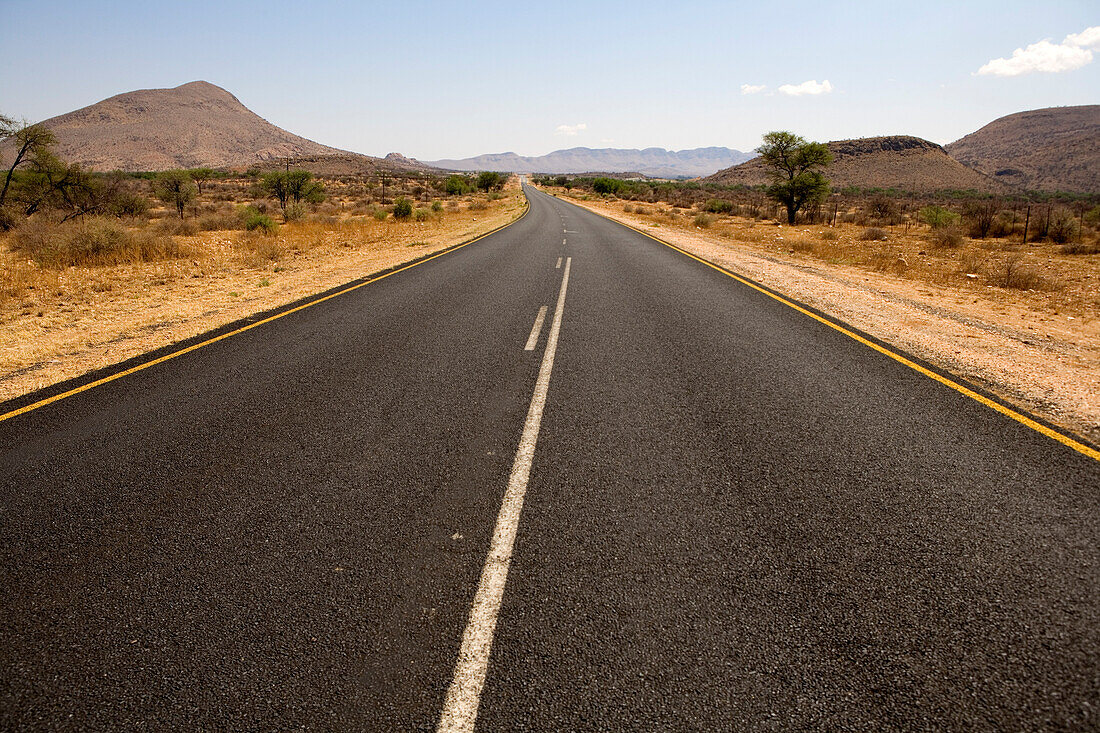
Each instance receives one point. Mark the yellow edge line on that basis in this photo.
(1009, 412)
(269, 319)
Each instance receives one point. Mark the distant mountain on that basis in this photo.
(1053, 149)
(656, 162)
(896, 161)
(196, 124)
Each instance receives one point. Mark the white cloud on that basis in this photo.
(807, 87)
(753, 88)
(570, 130)
(1088, 38)
(1071, 53)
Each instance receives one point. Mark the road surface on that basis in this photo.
(687, 506)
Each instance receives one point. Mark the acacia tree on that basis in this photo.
(201, 176)
(490, 179)
(296, 185)
(177, 188)
(30, 141)
(794, 168)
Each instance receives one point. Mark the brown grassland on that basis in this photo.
(1022, 321)
(84, 294)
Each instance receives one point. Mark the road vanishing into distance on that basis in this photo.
(562, 478)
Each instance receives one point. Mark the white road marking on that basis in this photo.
(570, 231)
(558, 266)
(535, 330)
(464, 694)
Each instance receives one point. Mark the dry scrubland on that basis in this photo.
(1020, 320)
(84, 294)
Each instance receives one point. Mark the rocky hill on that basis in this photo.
(1053, 149)
(196, 124)
(897, 161)
(656, 162)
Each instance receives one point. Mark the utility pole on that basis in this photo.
(1027, 220)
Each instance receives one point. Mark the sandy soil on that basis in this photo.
(80, 319)
(1038, 350)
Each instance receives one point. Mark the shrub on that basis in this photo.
(381, 214)
(718, 206)
(938, 217)
(457, 185)
(946, 237)
(294, 212)
(437, 206)
(254, 220)
(881, 208)
(130, 204)
(980, 217)
(873, 234)
(604, 185)
(421, 215)
(702, 221)
(1063, 227)
(830, 235)
(1013, 273)
(8, 219)
(1080, 248)
(402, 208)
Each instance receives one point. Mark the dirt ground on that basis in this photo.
(63, 323)
(1038, 348)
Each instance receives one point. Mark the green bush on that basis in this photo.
(605, 185)
(437, 206)
(421, 215)
(702, 221)
(381, 214)
(938, 217)
(457, 185)
(255, 221)
(402, 208)
(294, 212)
(718, 206)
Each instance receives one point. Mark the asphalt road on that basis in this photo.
(734, 518)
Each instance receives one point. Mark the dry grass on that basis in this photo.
(94, 241)
(112, 290)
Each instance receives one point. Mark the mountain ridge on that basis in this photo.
(903, 162)
(652, 161)
(191, 125)
(1048, 149)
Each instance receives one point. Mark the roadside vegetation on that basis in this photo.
(1046, 245)
(96, 267)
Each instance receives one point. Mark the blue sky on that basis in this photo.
(434, 80)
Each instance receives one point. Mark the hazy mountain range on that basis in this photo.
(656, 162)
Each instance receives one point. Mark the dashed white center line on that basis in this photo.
(464, 694)
(535, 330)
(558, 266)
